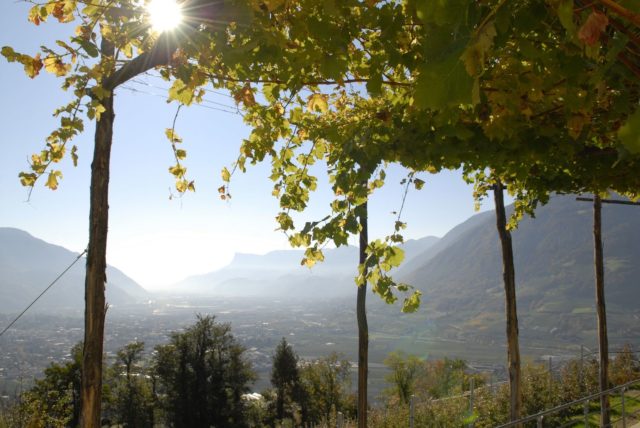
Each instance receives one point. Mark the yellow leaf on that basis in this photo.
(52, 180)
(181, 92)
(55, 66)
(172, 136)
(226, 175)
(318, 102)
(127, 50)
(36, 14)
(308, 262)
(32, 66)
(178, 171)
(181, 186)
(27, 179)
(245, 96)
(273, 4)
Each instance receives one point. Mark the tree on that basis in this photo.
(326, 383)
(55, 399)
(285, 378)
(202, 375)
(405, 371)
(442, 378)
(511, 313)
(131, 388)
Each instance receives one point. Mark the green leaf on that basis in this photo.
(471, 418)
(394, 256)
(374, 85)
(474, 55)
(564, 9)
(100, 93)
(441, 12)
(8, 53)
(74, 155)
(412, 303)
(443, 83)
(629, 133)
(89, 47)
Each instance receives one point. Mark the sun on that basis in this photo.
(165, 15)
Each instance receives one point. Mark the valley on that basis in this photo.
(268, 297)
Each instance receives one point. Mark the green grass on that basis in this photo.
(587, 310)
(631, 406)
(613, 264)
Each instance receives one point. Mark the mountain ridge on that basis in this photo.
(28, 264)
(281, 272)
(553, 254)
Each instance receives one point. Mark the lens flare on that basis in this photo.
(165, 15)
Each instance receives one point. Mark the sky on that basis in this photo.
(156, 240)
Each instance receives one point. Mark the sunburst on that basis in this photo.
(165, 15)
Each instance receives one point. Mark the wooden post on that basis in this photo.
(623, 410)
(96, 277)
(508, 274)
(550, 376)
(581, 374)
(363, 328)
(411, 411)
(603, 341)
(472, 387)
(585, 411)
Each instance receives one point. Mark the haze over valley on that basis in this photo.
(267, 297)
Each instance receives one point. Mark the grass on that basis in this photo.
(587, 310)
(631, 406)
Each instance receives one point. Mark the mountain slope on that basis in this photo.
(28, 265)
(461, 276)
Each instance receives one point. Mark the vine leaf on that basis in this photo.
(318, 103)
(181, 93)
(444, 83)
(629, 133)
(52, 179)
(593, 27)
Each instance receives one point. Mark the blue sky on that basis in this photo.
(155, 240)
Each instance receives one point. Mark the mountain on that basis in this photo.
(279, 273)
(29, 264)
(461, 275)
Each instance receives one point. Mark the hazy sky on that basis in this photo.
(155, 240)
